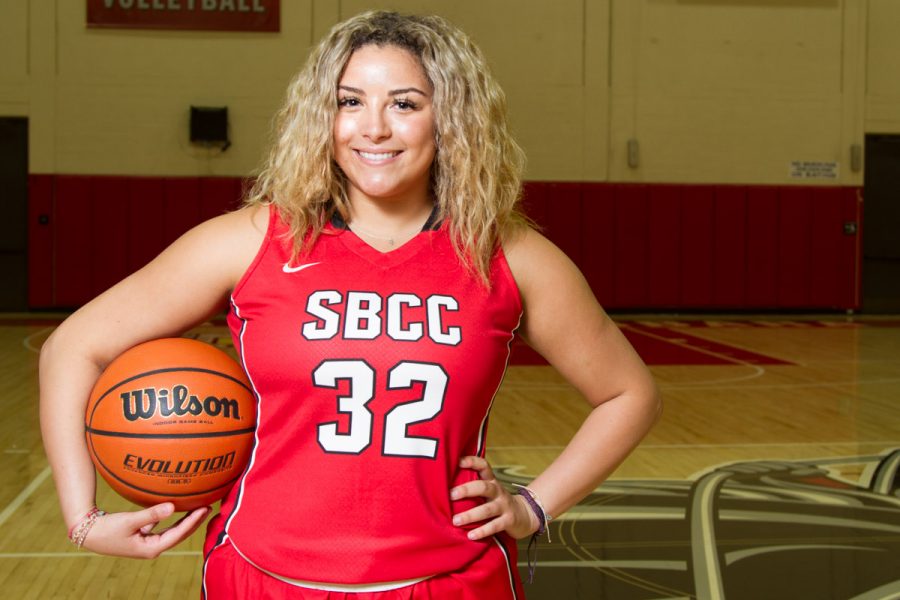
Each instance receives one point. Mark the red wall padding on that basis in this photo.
(40, 241)
(100, 229)
(717, 247)
(640, 246)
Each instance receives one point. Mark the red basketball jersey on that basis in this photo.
(375, 372)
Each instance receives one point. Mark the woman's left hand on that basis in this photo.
(501, 510)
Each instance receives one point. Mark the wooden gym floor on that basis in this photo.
(774, 472)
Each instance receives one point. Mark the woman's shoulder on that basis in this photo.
(526, 249)
(228, 242)
(250, 220)
(536, 263)
(242, 227)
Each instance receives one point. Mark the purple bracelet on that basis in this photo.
(543, 520)
(536, 508)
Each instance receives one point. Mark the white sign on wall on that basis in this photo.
(813, 169)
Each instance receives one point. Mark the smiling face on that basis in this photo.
(384, 128)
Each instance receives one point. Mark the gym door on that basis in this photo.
(881, 225)
(13, 214)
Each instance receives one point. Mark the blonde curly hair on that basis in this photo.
(476, 175)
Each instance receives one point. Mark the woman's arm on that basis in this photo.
(566, 325)
(183, 286)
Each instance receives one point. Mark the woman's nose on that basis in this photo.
(376, 125)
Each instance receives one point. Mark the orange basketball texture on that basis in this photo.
(171, 420)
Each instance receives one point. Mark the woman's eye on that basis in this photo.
(404, 104)
(348, 101)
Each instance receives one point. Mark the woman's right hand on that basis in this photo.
(208, 260)
(130, 534)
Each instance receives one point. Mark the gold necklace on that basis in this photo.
(391, 240)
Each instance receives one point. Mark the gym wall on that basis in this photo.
(741, 117)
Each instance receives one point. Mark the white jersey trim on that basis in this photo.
(480, 449)
(510, 568)
(335, 587)
(315, 585)
(259, 409)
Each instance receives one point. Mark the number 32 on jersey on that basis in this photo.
(397, 441)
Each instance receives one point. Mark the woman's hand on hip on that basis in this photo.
(501, 511)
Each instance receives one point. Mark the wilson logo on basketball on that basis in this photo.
(143, 403)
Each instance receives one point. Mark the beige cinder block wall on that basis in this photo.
(712, 91)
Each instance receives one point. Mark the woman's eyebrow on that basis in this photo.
(390, 93)
(406, 91)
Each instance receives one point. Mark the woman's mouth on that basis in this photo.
(377, 156)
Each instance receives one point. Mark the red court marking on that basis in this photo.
(826, 482)
(664, 346)
(716, 353)
(657, 342)
(674, 351)
(765, 324)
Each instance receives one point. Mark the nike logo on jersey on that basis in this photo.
(287, 268)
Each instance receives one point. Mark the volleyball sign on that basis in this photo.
(212, 15)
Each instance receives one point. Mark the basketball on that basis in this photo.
(171, 420)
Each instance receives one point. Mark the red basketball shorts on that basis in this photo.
(227, 576)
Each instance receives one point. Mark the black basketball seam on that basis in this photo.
(166, 370)
(169, 436)
(109, 473)
(171, 494)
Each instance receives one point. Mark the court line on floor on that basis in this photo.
(788, 386)
(27, 341)
(86, 554)
(757, 370)
(710, 384)
(666, 565)
(753, 445)
(24, 495)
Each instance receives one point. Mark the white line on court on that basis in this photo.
(786, 386)
(712, 384)
(668, 565)
(86, 554)
(27, 341)
(776, 445)
(23, 495)
(758, 445)
(758, 370)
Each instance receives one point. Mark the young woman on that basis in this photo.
(374, 281)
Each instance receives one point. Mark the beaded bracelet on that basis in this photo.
(543, 525)
(80, 530)
(538, 508)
